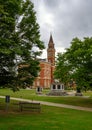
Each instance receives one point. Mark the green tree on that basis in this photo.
(79, 56)
(20, 43)
(8, 39)
(79, 61)
(62, 72)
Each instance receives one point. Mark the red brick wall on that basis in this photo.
(45, 75)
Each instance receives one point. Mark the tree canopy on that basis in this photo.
(77, 63)
(20, 43)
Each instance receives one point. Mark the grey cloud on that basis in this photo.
(75, 21)
(51, 3)
(71, 18)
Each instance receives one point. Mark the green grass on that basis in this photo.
(88, 93)
(31, 94)
(50, 118)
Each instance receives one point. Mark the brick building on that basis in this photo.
(45, 77)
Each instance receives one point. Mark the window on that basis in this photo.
(58, 87)
(54, 87)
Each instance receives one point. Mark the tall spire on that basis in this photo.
(51, 51)
(51, 39)
(51, 43)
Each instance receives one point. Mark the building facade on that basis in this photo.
(47, 67)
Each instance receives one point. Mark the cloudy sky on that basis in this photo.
(65, 19)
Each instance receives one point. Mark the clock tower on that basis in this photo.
(51, 51)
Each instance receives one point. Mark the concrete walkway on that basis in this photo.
(53, 104)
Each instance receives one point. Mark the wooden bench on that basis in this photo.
(30, 106)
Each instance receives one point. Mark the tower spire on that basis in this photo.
(51, 39)
(51, 51)
(51, 43)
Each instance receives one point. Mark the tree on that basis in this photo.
(80, 57)
(8, 40)
(20, 42)
(62, 72)
(79, 60)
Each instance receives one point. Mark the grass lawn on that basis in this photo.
(31, 94)
(88, 93)
(50, 118)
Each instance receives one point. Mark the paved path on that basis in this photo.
(53, 104)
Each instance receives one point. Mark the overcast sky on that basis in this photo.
(65, 19)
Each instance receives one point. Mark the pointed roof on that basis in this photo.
(51, 39)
